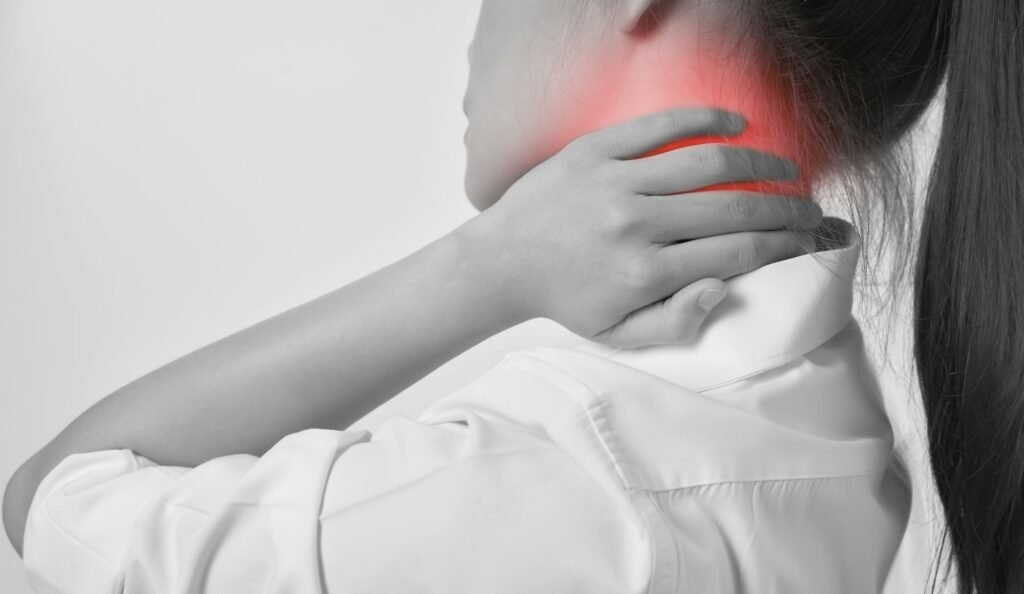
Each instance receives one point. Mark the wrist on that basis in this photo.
(486, 267)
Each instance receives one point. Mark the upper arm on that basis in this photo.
(99, 521)
(484, 506)
(477, 507)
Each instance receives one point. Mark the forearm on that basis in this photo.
(325, 363)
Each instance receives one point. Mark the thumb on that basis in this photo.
(673, 320)
(691, 305)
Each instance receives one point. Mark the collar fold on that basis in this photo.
(771, 316)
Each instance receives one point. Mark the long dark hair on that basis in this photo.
(969, 298)
(864, 72)
(860, 74)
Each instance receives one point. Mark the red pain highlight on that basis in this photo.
(699, 71)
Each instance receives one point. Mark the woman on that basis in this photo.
(756, 457)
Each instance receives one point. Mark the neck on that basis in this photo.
(690, 62)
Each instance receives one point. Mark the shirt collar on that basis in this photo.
(770, 316)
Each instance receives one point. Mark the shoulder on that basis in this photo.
(475, 503)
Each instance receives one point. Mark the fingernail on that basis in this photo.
(709, 298)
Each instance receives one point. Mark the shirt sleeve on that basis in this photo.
(480, 504)
(477, 505)
(81, 515)
(112, 521)
(469, 497)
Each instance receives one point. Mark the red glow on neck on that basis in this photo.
(634, 80)
(757, 140)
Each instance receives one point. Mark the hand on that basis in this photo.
(590, 239)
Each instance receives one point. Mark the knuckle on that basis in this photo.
(621, 218)
(704, 158)
(582, 144)
(741, 209)
(743, 160)
(571, 162)
(750, 252)
(638, 276)
(610, 173)
(712, 158)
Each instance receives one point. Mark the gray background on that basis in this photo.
(172, 172)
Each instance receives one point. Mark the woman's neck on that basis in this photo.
(687, 61)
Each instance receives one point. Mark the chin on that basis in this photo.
(469, 185)
(480, 199)
(489, 174)
(477, 204)
(480, 187)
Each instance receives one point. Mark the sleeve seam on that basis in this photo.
(628, 491)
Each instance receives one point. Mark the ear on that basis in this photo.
(630, 12)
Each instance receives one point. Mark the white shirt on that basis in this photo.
(757, 459)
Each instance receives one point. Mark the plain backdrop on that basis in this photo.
(172, 172)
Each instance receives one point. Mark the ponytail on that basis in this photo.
(862, 73)
(969, 299)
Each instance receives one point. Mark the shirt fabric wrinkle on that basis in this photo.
(756, 458)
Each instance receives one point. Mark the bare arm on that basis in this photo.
(325, 364)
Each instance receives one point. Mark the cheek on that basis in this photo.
(515, 95)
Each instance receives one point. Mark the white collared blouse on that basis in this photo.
(759, 458)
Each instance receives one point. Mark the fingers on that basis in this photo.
(677, 319)
(724, 256)
(634, 137)
(701, 214)
(698, 166)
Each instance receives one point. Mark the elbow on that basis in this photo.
(18, 495)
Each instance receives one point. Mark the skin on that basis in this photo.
(543, 73)
(612, 245)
